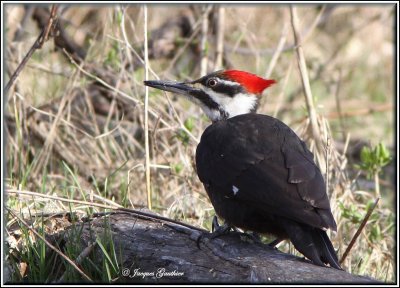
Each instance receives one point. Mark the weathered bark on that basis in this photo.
(147, 245)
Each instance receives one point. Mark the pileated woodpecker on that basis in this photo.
(257, 172)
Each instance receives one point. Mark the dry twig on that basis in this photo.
(83, 255)
(43, 37)
(117, 208)
(220, 37)
(50, 245)
(146, 114)
(203, 42)
(304, 78)
(362, 225)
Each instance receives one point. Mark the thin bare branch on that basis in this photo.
(304, 78)
(146, 114)
(362, 225)
(119, 92)
(43, 36)
(127, 43)
(83, 255)
(49, 29)
(50, 245)
(118, 208)
(220, 37)
(41, 195)
(203, 41)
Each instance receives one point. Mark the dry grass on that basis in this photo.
(72, 138)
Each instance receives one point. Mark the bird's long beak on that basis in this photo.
(177, 87)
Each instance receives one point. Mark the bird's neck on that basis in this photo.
(230, 107)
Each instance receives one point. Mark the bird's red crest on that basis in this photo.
(252, 83)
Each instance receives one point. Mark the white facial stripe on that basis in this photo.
(228, 83)
(239, 104)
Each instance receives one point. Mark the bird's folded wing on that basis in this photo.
(271, 168)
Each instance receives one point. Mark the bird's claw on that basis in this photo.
(215, 224)
(217, 231)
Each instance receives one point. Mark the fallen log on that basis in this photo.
(152, 250)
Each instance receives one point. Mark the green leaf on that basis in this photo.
(189, 124)
(365, 154)
(183, 137)
(372, 160)
(177, 168)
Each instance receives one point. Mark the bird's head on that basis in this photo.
(221, 94)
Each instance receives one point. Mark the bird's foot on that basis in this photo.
(217, 231)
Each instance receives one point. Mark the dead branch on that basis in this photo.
(48, 30)
(362, 225)
(72, 263)
(148, 245)
(220, 37)
(304, 78)
(61, 39)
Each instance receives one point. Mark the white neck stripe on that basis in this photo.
(240, 103)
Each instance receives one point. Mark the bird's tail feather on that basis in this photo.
(328, 252)
(312, 243)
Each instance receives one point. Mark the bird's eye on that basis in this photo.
(212, 82)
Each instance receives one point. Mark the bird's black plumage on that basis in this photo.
(260, 176)
(257, 172)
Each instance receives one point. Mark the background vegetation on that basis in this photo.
(76, 128)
